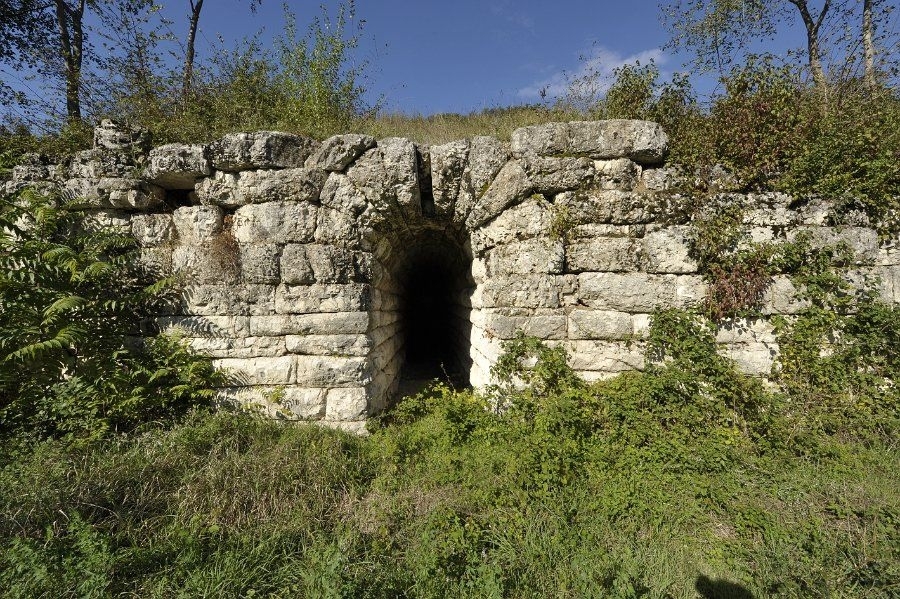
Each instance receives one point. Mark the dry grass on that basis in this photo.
(442, 128)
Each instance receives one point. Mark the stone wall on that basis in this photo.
(321, 274)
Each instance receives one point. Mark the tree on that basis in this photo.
(718, 31)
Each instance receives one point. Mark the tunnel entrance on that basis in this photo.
(425, 303)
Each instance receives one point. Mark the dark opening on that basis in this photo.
(435, 285)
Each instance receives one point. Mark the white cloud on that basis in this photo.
(594, 75)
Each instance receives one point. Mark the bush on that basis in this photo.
(72, 303)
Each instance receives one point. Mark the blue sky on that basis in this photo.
(432, 56)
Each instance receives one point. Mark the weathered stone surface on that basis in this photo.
(177, 166)
(231, 190)
(261, 149)
(782, 297)
(206, 326)
(197, 223)
(214, 261)
(275, 222)
(320, 298)
(322, 263)
(509, 187)
(110, 135)
(240, 347)
(520, 291)
(643, 142)
(280, 370)
(387, 175)
(130, 194)
(503, 323)
(343, 323)
(152, 229)
(540, 255)
(662, 179)
(346, 404)
(449, 164)
(329, 345)
(260, 263)
(617, 173)
(609, 206)
(603, 254)
(863, 241)
(95, 164)
(601, 324)
(532, 218)
(486, 157)
(668, 251)
(554, 175)
(215, 298)
(639, 292)
(331, 371)
(338, 152)
(605, 356)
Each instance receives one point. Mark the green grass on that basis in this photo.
(562, 495)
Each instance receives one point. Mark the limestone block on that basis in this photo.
(110, 219)
(331, 371)
(618, 173)
(337, 152)
(889, 254)
(346, 404)
(604, 254)
(890, 283)
(231, 190)
(388, 177)
(639, 292)
(539, 255)
(260, 263)
(605, 356)
(156, 260)
(284, 402)
(592, 230)
(305, 264)
(338, 323)
(752, 358)
(643, 142)
(862, 240)
(177, 166)
(782, 297)
(520, 291)
(329, 345)
(197, 223)
(308, 299)
(97, 163)
(261, 149)
(601, 324)
(544, 140)
(206, 326)
(130, 194)
(662, 178)
(503, 323)
(110, 135)
(233, 300)
(337, 227)
(207, 263)
(449, 163)
(275, 222)
(85, 190)
(510, 186)
(667, 251)
(745, 330)
(281, 370)
(769, 210)
(246, 347)
(610, 206)
(554, 175)
(487, 156)
(531, 218)
(152, 229)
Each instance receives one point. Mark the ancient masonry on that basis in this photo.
(322, 274)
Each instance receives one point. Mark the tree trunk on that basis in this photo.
(69, 21)
(868, 44)
(188, 74)
(812, 44)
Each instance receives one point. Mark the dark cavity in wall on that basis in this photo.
(435, 285)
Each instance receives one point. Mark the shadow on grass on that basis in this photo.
(720, 589)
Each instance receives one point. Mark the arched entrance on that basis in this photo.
(421, 312)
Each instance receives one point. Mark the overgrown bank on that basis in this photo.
(689, 478)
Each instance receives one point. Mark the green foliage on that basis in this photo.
(650, 484)
(72, 300)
